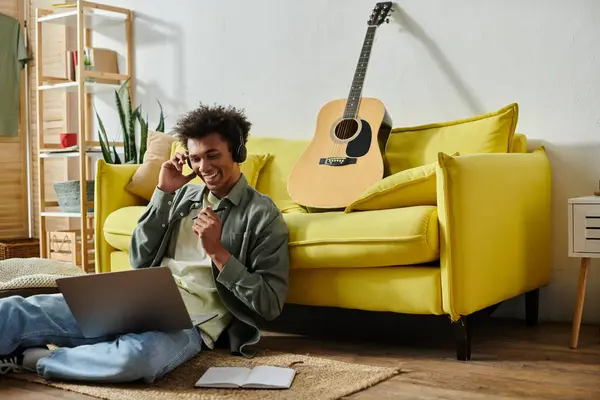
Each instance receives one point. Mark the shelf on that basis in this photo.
(64, 214)
(90, 87)
(94, 18)
(71, 153)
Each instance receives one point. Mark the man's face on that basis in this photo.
(212, 161)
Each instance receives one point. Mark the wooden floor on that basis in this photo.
(509, 360)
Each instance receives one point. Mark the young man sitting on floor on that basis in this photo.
(225, 243)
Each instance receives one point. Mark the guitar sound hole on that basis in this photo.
(346, 129)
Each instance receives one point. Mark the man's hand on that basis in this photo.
(208, 228)
(171, 175)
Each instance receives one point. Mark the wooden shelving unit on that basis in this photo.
(85, 17)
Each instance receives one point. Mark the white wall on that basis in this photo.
(435, 61)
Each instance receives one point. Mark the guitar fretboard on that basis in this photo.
(359, 74)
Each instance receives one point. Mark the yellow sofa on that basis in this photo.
(483, 239)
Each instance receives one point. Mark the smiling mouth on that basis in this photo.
(211, 176)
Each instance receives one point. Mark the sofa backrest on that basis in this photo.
(413, 146)
(285, 152)
(273, 177)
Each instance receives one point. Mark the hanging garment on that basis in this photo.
(13, 57)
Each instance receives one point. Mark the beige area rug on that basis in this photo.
(316, 379)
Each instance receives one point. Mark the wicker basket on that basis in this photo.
(19, 248)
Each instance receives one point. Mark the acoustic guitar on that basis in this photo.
(345, 156)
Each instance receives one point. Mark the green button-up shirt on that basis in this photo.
(253, 284)
(13, 57)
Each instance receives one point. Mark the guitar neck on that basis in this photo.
(353, 101)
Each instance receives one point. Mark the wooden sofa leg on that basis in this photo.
(462, 334)
(532, 301)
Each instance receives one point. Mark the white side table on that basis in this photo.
(584, 243)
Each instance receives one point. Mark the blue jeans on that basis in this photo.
(46, 319)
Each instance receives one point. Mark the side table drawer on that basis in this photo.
(586, 228)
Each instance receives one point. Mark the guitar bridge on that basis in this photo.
(337, 161)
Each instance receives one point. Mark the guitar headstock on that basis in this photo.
(380, 13)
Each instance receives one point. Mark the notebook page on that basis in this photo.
(270, 377)
(223, 377)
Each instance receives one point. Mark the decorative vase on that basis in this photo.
(87, 68)
(90, 68)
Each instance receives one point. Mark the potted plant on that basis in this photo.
(68, 193)
(128, 118)
(87, 65)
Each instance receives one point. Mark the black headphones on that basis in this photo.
(239, 154)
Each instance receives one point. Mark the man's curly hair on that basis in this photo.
(205, 120)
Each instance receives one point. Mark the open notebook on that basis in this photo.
(260, 377)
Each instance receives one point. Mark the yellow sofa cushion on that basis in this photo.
(145, 179)
(119, 226)
(519, 143)
(274, 176)
(250, 168)
(119, 261)
(415, 146)
(401, 236)
(411, 187)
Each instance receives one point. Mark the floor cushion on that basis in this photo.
(31, 276)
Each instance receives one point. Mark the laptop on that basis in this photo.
(122, 302)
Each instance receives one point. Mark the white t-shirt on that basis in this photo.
(192, 269)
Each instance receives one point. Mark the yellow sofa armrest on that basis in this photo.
(110, 195)
(494, 216)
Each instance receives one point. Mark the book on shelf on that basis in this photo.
(98, 59)
(259, 377)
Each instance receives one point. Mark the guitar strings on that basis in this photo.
(333, 148)
(347, 133)
(343, 133)
(347, 127)
(342, 136)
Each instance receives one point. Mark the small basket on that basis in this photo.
(68, 197)
(19, 248)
